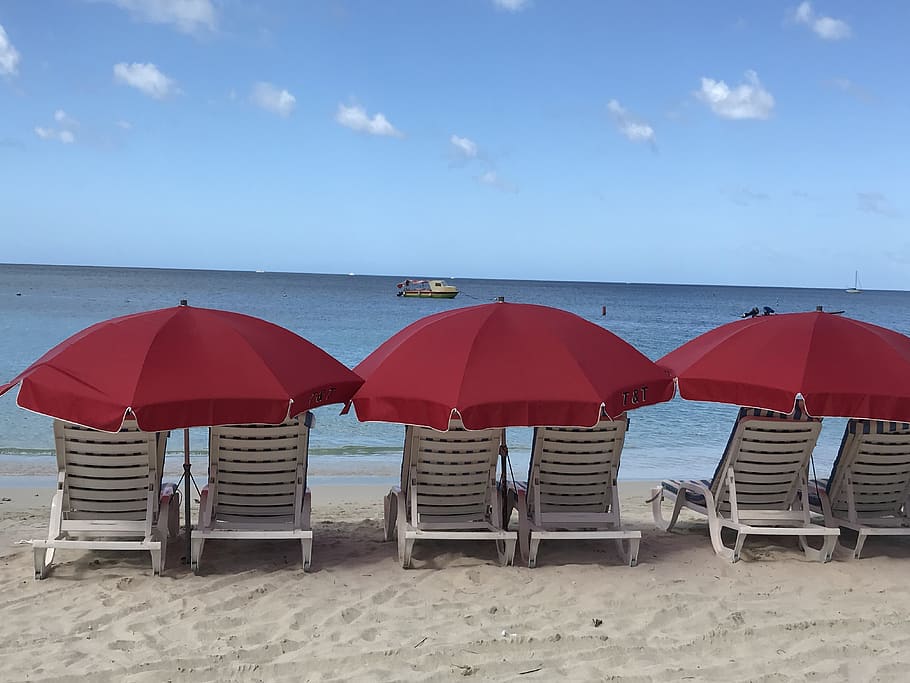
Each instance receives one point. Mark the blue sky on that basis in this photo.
(704, 142)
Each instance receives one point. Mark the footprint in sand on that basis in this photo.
(384, 595)
(122, 645)
(350, 614)
(124, 583)
(474, 576)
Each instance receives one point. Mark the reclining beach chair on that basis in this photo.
(869, 486)
(571, 489)
(448, 490)
(109, 495)
(758, 486)
(257, 486)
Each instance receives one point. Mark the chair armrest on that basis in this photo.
(693, 486)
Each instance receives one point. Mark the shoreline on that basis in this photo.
(34, 498)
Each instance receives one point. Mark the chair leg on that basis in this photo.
(860, 542)
(628, 550)
(198, 543)
(156, 560)
(657, 497)
(405, 548)
(43, 559)
(823, 554)
(738, 546)
(714, 529)
(505, 550)
(307, 548)
(533, 546)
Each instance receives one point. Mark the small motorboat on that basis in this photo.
(427, 289)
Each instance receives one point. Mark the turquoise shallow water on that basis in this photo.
(349, 316)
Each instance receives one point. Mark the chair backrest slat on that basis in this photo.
(573, 469)
(257, 472)
(877, 455)
(109, 476)
(452, 473)
(768, 454)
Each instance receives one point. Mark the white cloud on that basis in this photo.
(188, 16)
(273, 99)
(65, 119)
(851, 88)
(356, 118)
(125, 125)
(146, 78)
(748, 100)
(493, 179)
(9, 55)
(64, 136)
(512, 5)
(629, 125)
(64, 133)
(464, 147)
(824, 27)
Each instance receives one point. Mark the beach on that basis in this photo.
(254, 615)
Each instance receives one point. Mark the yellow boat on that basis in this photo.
(427, 289)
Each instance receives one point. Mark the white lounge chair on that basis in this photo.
(448, 490)
(571, 490)
(257, 486)
(109, 495)
(758, 485)
(869, 486)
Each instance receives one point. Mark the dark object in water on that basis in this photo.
(750, 314)
(767, 310)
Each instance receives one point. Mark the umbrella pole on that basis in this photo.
(187, 493)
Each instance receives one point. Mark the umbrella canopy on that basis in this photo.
(841, 367)
(182, 367)
(503, 365)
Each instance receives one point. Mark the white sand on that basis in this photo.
(253, 615)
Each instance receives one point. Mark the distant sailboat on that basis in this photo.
(855, 289)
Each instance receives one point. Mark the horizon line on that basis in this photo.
(384, 275)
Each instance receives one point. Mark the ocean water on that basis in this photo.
(350, 315)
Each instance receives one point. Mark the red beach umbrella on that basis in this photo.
(506, 364)
(841, 367)
(182, 367)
